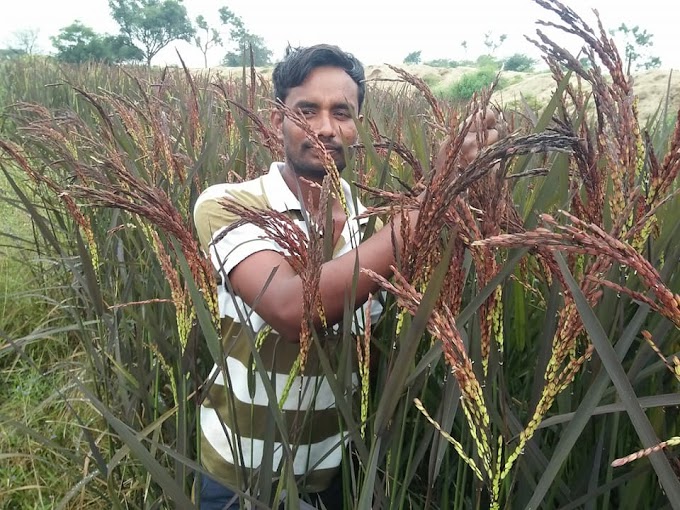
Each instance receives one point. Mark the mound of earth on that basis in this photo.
(651, 87)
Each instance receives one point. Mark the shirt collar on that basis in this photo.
(279, 195)
(282, 199)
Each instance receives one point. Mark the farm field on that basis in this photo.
(527, 356)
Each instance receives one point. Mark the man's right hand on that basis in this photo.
(482, 133)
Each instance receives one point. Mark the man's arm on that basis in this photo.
(280, 303)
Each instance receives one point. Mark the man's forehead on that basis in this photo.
(326, 85)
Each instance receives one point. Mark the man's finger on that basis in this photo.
(490, 118)
(482, 120)
(492, 136)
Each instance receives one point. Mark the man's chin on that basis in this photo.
(320, 162)
(316, 169)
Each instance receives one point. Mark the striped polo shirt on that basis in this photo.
(235, 417)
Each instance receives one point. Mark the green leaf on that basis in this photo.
(410, 343)
(129, 437)
(665, 400)
(624, 388)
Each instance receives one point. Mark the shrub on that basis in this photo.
(443, 62)
(485, 61)
(519, 62)
(465, 88)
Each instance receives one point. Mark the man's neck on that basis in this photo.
(307, 189)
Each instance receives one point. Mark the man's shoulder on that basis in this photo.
(249, 193)
(209, 214)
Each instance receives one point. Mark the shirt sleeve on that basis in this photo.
(237, 245)
(228, 250)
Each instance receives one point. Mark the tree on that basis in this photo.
(413, 57)
(244, 40)
(212, 38)
(493, 44)
(25, 41)
(152, 24)
(638, 42)
(78, 43)
(519, 62)
(118, 49)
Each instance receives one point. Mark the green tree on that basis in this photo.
(413, 57)
(118, 49)
(152, 24)
(519, 62)
(78, 43)
(211, 39)
(244, 41)
(638, 42)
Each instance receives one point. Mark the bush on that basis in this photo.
(489, 61)
(465, 88)
(519, 62)
(443, 62)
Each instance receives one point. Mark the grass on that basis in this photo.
(32, 397)
(19, 311)
(37, 430)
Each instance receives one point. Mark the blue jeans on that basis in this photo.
(215, 496)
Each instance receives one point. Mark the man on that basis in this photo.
(326, 86)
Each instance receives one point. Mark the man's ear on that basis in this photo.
(359, 121)
(276, 119)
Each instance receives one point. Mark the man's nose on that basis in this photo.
(325, 127)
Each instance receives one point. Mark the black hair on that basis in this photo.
(299, 62)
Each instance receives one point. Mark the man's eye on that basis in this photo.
(342, 114)
(307, 112)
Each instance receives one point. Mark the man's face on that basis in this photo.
(327, 99)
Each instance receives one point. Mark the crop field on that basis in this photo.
(527, 355)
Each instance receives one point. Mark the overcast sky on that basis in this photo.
(376, 31)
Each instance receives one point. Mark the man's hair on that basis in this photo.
(299, 62)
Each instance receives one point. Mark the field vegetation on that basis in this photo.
(528, 353)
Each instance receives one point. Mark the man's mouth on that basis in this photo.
(329, 148)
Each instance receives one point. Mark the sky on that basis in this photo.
(376, 31)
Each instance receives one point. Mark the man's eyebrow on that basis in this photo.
(303, 103)
(342, 106)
